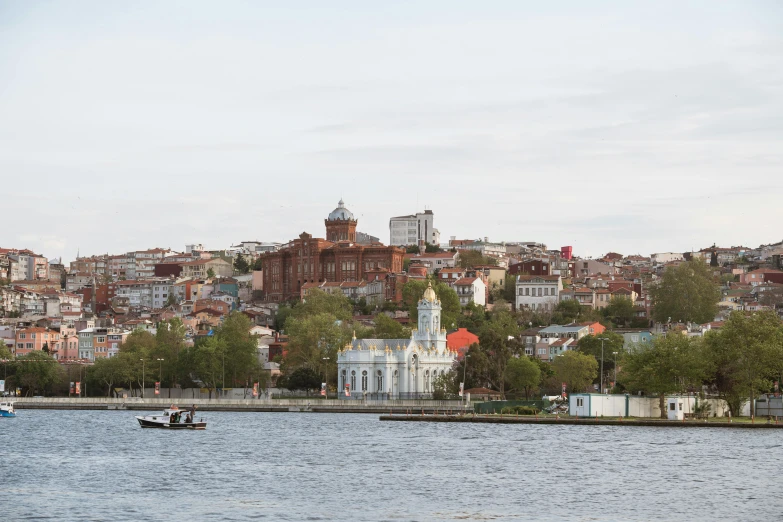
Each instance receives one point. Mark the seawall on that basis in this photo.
(401, 407)
(570, 421)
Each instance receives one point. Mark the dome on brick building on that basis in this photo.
(341, 213)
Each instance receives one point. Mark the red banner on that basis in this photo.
(347, 390)
(78, 390)
(73, 388)
(323, 389)
(255, 389)
(157, 388)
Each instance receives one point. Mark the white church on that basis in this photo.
(398, 368)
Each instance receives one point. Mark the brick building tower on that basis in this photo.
(340, 225)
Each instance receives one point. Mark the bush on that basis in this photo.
(519, 410)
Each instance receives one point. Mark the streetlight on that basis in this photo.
(160, 372)
(326, 387)
(615, 368)
(142, 378)
(602, 339)
(464, 372)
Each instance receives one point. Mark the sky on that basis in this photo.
(609, 126)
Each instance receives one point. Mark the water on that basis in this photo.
(79, 465)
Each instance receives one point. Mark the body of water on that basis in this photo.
(100, 465)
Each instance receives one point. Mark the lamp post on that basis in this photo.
(142, 378)
(615, 368)
(160, 372)
(464, 373)
(326, 387)
(602, 339)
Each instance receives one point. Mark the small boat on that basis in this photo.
(168, 420)
(7, 409)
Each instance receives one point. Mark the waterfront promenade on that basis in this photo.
(589, 421)
(315, 405)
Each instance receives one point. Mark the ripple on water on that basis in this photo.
(63, 465)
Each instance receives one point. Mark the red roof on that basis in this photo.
(461, 341)
(465, 281)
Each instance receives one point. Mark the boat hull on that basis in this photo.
(7, 414)
(171, 426)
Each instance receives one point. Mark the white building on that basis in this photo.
(471, 290)
(397, 368)
(662, 258)
(409, 230)
(538, 292)
(160, 292)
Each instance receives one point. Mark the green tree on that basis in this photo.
(591, 345)
(303, 379)
(241, 265)
(685, 293)
(169, 344)
(431, 249)
(210, 273)
(569, 310)
(171, 300)
(412, 249)
(670, 364)
(109, 371)
(36, 372)
(318, 302)
(575, 369)
(388, 328)
(621, 310)
(509, 293)
(473, 317)
(746, 355)
(313, 338)
(445, 386)
(471, 258)
(523, 374)
(241, 350)
(207, 361)
(258, 264)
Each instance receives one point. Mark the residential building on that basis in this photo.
(436, 260)
(471, 290)
(571, 331)
(36, 339)
(414, 229)
(160, 292)
(538, 292)
(199, 269)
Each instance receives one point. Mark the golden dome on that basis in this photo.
(429, 294)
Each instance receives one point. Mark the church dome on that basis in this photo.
(429, 294)
(341, 213)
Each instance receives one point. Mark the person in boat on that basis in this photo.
(193, 412)
(188, 419)
(173, 418)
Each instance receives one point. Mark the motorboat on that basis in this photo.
(172, 418)
(7, 409)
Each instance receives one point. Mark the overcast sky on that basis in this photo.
(625, 126)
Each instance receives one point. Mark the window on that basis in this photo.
(29, 346)
(342, 379)
(353, 380)
(580, 402)
(380, 381)
(364, 381)
(527, 291)
(22, 336)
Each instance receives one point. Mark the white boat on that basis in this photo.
(7, 409)
(172, 419)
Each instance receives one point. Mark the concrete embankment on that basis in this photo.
(400, 407)
(571, 421)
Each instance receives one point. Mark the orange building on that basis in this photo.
(36, 338)
(461, 341)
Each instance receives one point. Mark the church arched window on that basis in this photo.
(364, 381)
(427, 380)
(342, 375)
(353, 380)
(380, 381)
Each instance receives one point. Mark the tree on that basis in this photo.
(388, 328)
(685, 293)
(169, 344)
(591, 345)
(36, 372)
(575, 369)
(210, 273)
(303, 379)
(241, 349)
(473, 317)
(621, 310)
(207, 357)
(771, 297)
(412, 249)
(523, 374)
(569, 310)
(431, 249)
(318, 301)
(109, 371)
(445, 386)
(746, 355)
(670, 364)
(471, 258)
(170, 301)
(258, 264)
(241, 265)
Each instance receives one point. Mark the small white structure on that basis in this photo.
(674, 408)
(598, 405)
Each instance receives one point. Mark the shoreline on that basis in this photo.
(569, 421)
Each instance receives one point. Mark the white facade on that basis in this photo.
(538, 292)
(160, 293)
(409, 230)
(662, 258)
(398, 368)
(471, 290)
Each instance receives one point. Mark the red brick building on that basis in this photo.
(337, 258)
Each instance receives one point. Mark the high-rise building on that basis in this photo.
(413, 229)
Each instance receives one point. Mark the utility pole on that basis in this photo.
(602, 339)
(142, 378)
